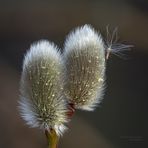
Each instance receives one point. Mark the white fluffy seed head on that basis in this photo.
(84, 57)
(112, 45)
(41, 87)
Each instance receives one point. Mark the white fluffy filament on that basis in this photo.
(112, 47)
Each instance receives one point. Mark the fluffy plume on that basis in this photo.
(41, 100)
(112, 47)
(84, 56)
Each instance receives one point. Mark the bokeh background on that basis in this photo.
(121, 121)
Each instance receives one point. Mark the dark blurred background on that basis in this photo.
(121, 121)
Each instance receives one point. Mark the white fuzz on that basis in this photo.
(84, 56)
(112, 46)
(81, 38)
(41, 100)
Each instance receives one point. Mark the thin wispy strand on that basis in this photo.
(112, 46)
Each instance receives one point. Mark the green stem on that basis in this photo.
(52, 138)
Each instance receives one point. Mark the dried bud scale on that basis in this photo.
(42, 104)
(84, 57)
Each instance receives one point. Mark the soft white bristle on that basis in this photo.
(41, 100)
(84, 56)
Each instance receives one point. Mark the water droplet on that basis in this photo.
(100, 80)
(89, 61)
(89, 93)
(43, 67)
(86, 85)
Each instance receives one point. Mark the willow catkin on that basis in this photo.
(41, 99)
(84, 58)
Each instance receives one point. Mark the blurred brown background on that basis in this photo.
(121, 120)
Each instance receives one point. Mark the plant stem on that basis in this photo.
(52, 138)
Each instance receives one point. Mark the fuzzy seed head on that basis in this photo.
(41, 100)
(84, 56)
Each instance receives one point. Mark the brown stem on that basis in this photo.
(52, 138)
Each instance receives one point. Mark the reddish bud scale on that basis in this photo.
(71, 110)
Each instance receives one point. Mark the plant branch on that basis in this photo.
(52, 138)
